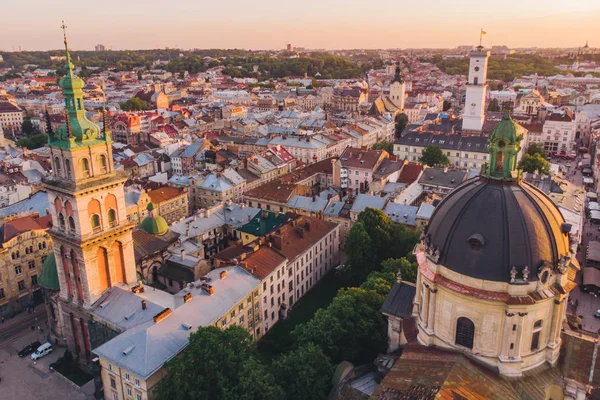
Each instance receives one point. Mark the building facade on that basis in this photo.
(24, 246)
(93, 247)
(474, 112)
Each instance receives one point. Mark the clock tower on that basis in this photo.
(474, 111)
(92, 238)
(397, 89)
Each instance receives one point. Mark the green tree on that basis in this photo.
(305, 373)
(139, 75)
(351, 328)
(49, 129)
(384, 145)
(358, 247)
(407, 269)
(401, 122)
(536, 148)
(134, 104)
(494, 106)
(33, 142)
(379, 282)
(433, 155)
(535, 163)
(27, 127)
(447, 105)
(218, 364)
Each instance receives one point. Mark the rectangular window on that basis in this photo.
(21, 285)
(129, 391)
(535, 341)
(127, 377)
(138, 396)
(34, 279)
(18, 270)
(137, 382)
(113, 383)
(31, 264)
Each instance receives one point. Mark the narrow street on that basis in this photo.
(21, 325)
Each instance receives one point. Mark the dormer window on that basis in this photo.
(476, 241)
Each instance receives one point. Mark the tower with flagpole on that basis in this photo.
(474, 111)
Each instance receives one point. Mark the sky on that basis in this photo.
(321, 24)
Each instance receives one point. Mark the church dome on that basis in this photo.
(508, 129)
(486, 227)
(49, 277)
(154, 224)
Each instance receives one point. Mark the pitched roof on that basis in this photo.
(164, 193)
(263, 262)
(409, 173)
(24, 224)
(265, 222)
(399, 301)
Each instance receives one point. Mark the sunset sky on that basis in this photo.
(268, 24)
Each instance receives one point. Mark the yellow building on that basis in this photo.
(24, 246)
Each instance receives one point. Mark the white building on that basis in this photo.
(398, 89)
(559, 132)
(11, 116)
(474, 111)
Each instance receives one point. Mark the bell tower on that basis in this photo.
(397, 89)
(92, 238)
(474, 111)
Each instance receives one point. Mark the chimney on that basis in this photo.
(211, 290)
(187, 297)
(144, 306)
(47, 211)
(223, 274)
(182, 254)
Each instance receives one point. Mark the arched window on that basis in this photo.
(72, 224)
(13, 255)
(95, 220)
(68, 169)
(112, 217)
(102, 162)
(85, 166)
(57, 166)
(30, 249)
(39, 246)
(18, 254)
(26, 250)
(61, 220)
(43, 245)
(465, 332)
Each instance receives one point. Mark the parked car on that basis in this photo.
(597, 314)
(30, 348)
(41, 351)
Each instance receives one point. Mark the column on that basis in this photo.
(506, 338)
(554, 323)
(425, 306)
(517, 351)
(431, 313)
(560, 311)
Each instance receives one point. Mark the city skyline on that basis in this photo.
(267, 25)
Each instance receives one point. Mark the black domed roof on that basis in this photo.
(486, 226)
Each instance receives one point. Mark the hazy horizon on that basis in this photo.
(267, 25)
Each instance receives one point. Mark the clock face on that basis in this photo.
(476, 69)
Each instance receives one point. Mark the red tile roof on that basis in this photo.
(409, 173)
(21, 225)
(263, 262)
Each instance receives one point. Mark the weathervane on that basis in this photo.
(481, 33)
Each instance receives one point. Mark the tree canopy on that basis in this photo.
(384, 145)
(134, 104)
(218, 364)
(507, 69)
(535, 163)
(433, 155)
(33, 142)
(407, 269)
(304, 373)
(27, 127)
(401, 122)
(494, 105)
(536, 148)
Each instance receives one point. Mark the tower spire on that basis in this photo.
(398, 74)
(68, 65)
